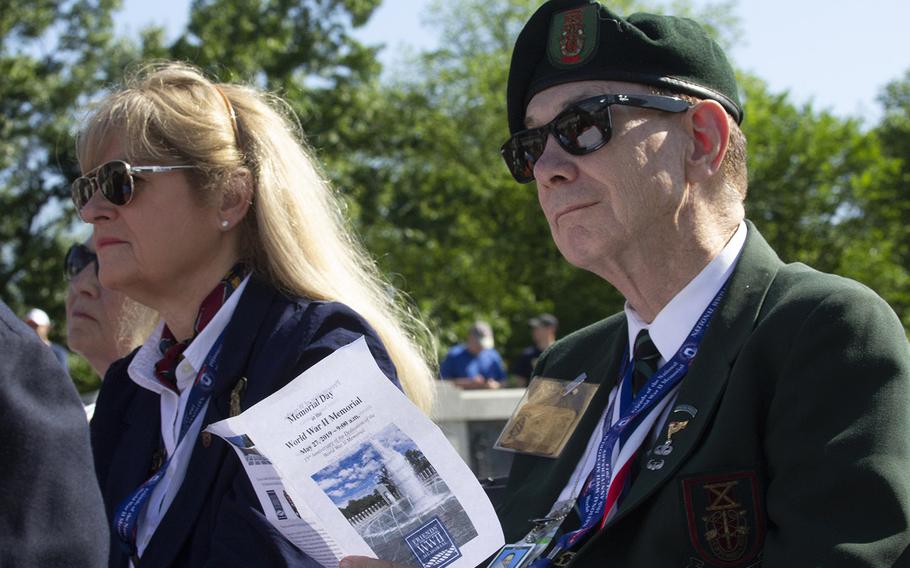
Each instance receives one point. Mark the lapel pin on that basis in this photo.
(236, 393)
(664, 449)
(674, 427)
(655, 464)
(687, 408)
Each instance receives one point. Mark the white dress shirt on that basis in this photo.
(173, 405)
(668, 331)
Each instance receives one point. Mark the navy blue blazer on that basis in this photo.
(50, 508)
(215, 518)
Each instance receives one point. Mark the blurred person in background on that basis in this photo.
(474, 364)
(40, 322)
(543, 335)
(208, 207)
(101, 325)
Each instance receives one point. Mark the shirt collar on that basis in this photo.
(142, 368)
(674, 322)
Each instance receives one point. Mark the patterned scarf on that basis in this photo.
(172, 350)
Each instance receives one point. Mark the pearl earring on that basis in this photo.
(224, 224)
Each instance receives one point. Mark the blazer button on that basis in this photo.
(206, 439)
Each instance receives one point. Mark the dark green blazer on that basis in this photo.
(796, 450)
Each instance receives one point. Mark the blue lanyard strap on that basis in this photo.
(126, 516)
(592, 501)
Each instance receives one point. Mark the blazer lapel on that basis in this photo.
(240, 336)
(703, 386)
(539, 481)
(142, 424)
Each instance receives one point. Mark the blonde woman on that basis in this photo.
(207, 207)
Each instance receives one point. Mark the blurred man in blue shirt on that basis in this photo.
(475, 364)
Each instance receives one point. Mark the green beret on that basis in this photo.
(581, 40)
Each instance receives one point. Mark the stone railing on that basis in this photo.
(472, 420)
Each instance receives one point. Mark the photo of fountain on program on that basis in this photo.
(389, 492)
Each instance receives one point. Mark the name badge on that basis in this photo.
(546, 416)
(512, 556)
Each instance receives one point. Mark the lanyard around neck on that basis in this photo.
(593, 504)
(126, 517)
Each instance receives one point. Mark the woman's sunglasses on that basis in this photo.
(580, 129)
(114, 180)
(77, 258)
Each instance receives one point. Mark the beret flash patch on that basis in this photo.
(724, 518)
(573, 37)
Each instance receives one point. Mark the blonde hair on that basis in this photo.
(134, 325)
(295, 235)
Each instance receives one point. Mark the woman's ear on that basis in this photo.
(236, 198)
(710, 131)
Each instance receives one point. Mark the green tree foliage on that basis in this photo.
(880, 251)
(51, 54)
(57, 55)
(302, 50)
(827, 193)
(432, 196)
(801, 165)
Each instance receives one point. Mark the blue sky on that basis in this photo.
(835, 53)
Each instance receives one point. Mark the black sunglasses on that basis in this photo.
(115, 180)
(581, 129)
(77, 258)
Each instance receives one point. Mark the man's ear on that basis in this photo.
(710, 130)
(236, 198)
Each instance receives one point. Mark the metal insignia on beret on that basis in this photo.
(573, 37)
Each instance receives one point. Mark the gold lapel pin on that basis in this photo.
(236, 393)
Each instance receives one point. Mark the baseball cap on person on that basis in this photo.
(38, 317)
(543, 320)
(482, 331)
(580, 40)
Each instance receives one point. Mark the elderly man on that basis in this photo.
(748, 412)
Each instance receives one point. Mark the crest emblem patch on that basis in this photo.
(573, 37)
(724, 518)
